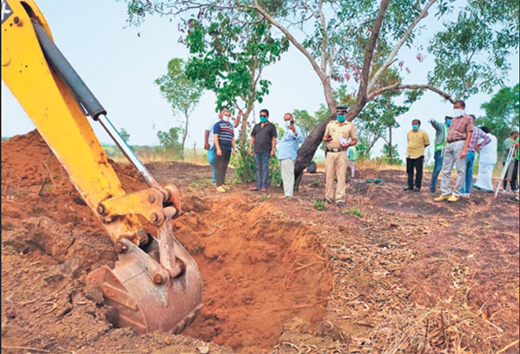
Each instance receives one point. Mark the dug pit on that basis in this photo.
(260, 270)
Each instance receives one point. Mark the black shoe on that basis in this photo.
(418, 190)
(408, 188)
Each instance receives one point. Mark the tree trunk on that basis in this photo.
(313, 141)
(184, 135)
(308, 149)
(390, 152)
(243, 128)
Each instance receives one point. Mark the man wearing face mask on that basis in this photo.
(224, 139)
(287, 152)
(337, 136)
(441, 134)
(224, 114)
(457, 143)
(417, 141)
(263, 138)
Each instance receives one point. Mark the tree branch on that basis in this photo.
(378, 92)
(294, 41)
(367, 61)
(324, 39)
(389, 60)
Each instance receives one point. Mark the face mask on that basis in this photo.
(448, 122)
(458, 112)
(287, 124)
(263, 119)
(226, 118)
(341, 119)
(415, 127)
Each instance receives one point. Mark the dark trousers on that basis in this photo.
(221, 165)
(262, 170)
(416, 164)
(514, 178)
(436, 170)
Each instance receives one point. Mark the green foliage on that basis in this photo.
(170, 140)
(502, 114)
(353, 211)
(320, 204)
(245, 168)
(471, 51)
(393, 152)
(124, 134)
(181, 92)
(305, 121)
(228, 56)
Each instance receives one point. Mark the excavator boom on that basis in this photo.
(155, 284)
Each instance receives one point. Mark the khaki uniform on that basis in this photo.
(336, 162)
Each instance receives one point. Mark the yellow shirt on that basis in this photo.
(417, 141)
(335, 130)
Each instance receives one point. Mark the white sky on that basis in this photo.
(120, 68)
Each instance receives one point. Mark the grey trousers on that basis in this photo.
(452, 157)
(287, 169)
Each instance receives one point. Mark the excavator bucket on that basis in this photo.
(142, 297)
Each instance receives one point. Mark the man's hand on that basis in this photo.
(234, 153)
(272, 153)
(463, 154)
(206, 146)
(293, 128)
(478, 147)
(346, 145)
(219, 152)
(250, 152)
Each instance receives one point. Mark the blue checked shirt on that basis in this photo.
(288, 146)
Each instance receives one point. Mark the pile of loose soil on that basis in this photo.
(260, 268)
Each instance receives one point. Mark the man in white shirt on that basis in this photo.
(486, 163)
(208, 138)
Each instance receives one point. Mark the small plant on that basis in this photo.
(200, 182)
(264, 197)
(353, 211)
(320, 205)
(316, 183)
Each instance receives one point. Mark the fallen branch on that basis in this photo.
(508, 347)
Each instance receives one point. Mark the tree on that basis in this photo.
(229, 57)
(124, 134)
(502, 113)
(358, 41)
(181, 92)
(391, 154)
(170, 140)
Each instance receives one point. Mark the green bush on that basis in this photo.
(245, 168)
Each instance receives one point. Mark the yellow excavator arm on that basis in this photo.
(155, 284)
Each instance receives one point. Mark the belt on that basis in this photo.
(336, 150)
(453, 141)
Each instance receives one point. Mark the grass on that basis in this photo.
(353, 211)
(320, 205)
(148, 154)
